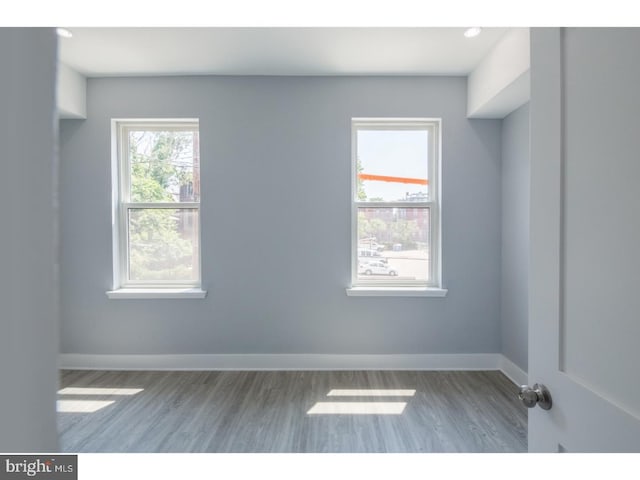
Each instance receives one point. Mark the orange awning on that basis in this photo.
(386, 178)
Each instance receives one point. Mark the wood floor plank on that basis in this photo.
(268, 411)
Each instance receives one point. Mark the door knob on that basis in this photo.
(536, 395)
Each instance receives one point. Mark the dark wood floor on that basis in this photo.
(393, 411)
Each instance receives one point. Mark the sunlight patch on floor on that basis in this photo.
(357, 408)
(99, 391)
(371, 392)
(82, 406)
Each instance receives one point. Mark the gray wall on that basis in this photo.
(276, 221)
(28, 292)
(515, 236)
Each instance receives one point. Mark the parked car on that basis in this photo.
(376, 268)
(371, 244)
(367, 260)
(367, 252)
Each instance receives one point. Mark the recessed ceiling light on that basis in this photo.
(472, 32)
(63, 32)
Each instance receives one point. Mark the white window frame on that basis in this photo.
(380, 287)
(123, 287)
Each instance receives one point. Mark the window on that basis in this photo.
(396, 214)
(156, 181)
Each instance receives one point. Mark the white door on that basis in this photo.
(584, 331)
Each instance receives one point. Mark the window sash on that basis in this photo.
(124, 162)
(125, 257)
(358, 281)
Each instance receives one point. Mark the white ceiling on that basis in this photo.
(99, 52)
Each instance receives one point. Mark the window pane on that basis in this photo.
(393, 244)
(164, 166)
(392, 165)
(163, 245)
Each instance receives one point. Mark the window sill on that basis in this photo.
(396, 292)
(164, 293)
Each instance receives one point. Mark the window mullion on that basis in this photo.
(125, 165)
(394, 204)
(162, 205)
(124, 244)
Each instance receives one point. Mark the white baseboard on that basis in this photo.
(513, 372)
(475, 361)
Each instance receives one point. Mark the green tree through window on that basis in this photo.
(162, 240)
